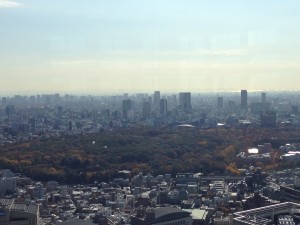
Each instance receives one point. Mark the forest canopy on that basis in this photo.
(91, 157)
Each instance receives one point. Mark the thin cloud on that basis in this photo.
(9, 4)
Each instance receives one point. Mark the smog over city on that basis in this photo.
(149, 112)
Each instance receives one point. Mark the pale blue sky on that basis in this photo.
(142, 45)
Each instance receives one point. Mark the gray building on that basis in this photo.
(12, 213)
(244, 100)
(185, 101)
(161, 216)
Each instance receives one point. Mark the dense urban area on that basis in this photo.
(150, 158)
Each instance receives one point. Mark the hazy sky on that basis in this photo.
(94, 46)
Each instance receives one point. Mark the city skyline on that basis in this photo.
(141, 46)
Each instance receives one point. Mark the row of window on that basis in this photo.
(176, 223)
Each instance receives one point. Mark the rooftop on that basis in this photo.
(78, 222)
(167, 211)
(197, 214)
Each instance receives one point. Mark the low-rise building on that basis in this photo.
(161, 216)
(12, 213)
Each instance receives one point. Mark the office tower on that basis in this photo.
(10, 110)
(163, 107)
(127, 108)
(263, 97)
(156, 99)
(268, 119)
(174, 100)
(220, 102)
(244, 100)
(38, 99)
(185, 101)
(146, 110)
(4, 101)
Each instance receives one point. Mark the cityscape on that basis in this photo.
(94, 183)
(149, 112)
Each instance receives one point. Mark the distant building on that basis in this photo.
(263, 98)
(163, 107)
(146, 111)
(256, 107)
(172, 102)
(150, 100)
(32, 125)
(10, 110)
(185, 101)
(4, 100)
(220, 103)
(156, 99)
(268, 119)
(127, 107)
(244, 100)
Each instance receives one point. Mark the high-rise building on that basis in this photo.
(163, 107)
(150, 100)
(268, 119)
(220, 102)
(263, 97)
(156, 99)
(185, 101)
(127, 108)
(10, 110)
(244, 100)
(146, 110)
(4, 101)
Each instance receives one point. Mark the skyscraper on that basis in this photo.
(127, 107)
(146, 110)
(156, 99)
(268, 119)
(263, 97)
(163, 107)
(244, 100)
(185, 101)
(220, 102)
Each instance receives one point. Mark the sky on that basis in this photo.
(115, 46)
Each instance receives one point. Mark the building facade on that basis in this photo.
(185, 101)
(12, 213)
(163, 106)
(244, 100)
